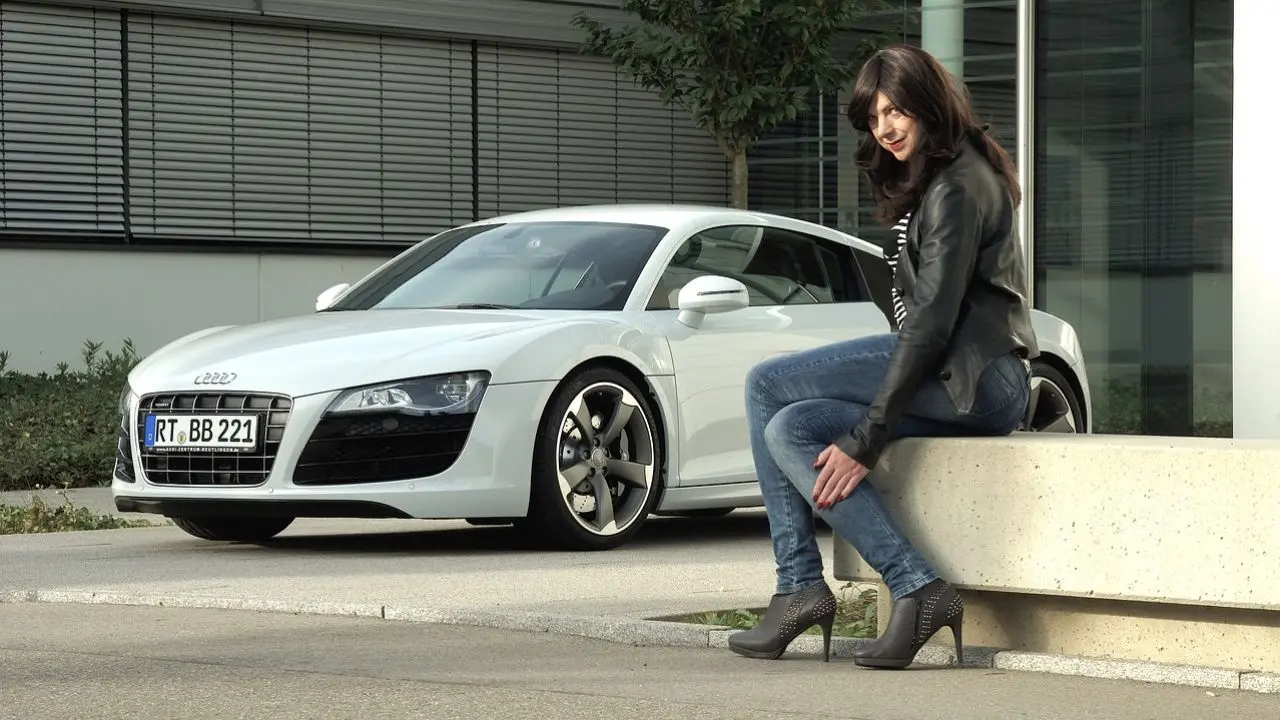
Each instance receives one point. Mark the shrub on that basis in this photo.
(40, 517)
(59, 429)
(1121, 410)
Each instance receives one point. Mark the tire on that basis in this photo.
(1054, 406)
(564, 508)
(232, 529)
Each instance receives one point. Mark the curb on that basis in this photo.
(636, 631)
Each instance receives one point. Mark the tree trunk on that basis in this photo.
(739, 178)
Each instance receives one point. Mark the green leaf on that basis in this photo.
(738, 67)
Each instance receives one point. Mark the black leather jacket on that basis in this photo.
(963, 278)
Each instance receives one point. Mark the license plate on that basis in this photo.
(201, 433)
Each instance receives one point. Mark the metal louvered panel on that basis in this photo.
(61, 156)
(518, 134)
(588, 131)
(646, 157)
(560, 128)
(701, 172)
(181, 144)
(426, 136)
(292, 134)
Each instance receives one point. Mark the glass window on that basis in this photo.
(778, 267)
(1132, 207)
(534, 265)
(793, 171)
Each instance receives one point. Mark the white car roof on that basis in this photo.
(679, 217)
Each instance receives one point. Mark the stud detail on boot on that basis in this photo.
(785, 619)
(912, 623)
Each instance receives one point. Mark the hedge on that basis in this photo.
(59, 429)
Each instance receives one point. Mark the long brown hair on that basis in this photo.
(923, 89)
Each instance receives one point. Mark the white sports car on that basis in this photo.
(570, 371)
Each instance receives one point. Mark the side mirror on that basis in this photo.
(326, 298)
(707, 295)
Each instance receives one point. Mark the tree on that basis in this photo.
(739, 67)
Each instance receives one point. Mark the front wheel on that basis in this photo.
(228, 529)
(1053, 407)
(597, 463)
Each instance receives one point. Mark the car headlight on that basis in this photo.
(125, 393)
(451, 394)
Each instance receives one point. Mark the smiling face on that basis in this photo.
(892, 128)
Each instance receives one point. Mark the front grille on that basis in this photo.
(214, 468)
(380, 448)
(124, 450)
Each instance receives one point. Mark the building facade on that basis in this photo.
(181, 163)
(177, 164)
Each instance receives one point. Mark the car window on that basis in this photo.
(530, 265)
(778, 267)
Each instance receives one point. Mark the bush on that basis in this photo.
(1121, 411)
(40, 517)
(59, 429)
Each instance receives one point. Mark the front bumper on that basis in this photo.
(488, 478)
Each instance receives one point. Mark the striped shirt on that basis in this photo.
(899, 309)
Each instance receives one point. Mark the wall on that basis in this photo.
(166, 172)
(1256, 253)
(54, 300)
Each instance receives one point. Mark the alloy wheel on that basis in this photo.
(605, 459)
(1050, 409)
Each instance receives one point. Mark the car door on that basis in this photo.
(804, 291)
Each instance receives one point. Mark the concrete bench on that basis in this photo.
(1097, 546)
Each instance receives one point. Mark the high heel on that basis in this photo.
(956, 623)
(826, 623)
(786, 618)
(912, 623)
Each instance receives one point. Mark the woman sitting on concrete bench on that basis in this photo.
(955, 364)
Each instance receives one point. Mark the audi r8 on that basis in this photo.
(570, 371)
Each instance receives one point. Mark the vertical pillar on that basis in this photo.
(942, 32)
(1024, 155)
(1255, 248)
(847, 174)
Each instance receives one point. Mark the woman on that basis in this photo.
(956, 365)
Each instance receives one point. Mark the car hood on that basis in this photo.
(334, 350)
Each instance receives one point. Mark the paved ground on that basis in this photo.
(74, 661)
(675, 565)
(210, 663)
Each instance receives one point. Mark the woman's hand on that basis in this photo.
(840, 475)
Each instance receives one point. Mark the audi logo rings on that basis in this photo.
(215, 378)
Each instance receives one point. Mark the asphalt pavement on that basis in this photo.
(171, 656)
(107, 662)
(676, 565)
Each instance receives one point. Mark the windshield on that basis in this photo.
(543, 265)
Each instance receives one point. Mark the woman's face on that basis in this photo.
(893, 129)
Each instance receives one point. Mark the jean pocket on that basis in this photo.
(1002, 384)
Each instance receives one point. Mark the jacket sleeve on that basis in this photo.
(950, 228)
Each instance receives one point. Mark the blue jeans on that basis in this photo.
(800, 403)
